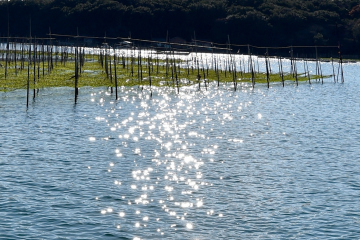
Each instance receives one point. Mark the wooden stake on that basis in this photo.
(76, 74)
(267, 69)
(332, 63)
(34, 67)
(116, 86)
(28, 76)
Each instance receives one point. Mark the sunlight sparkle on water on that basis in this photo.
(177, 167)
(189, 226)
(186, 204)
(211, 212)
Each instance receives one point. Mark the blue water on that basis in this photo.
(278, 163)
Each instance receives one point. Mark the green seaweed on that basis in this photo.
(94, 75)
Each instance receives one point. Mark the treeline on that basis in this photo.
(257, 22)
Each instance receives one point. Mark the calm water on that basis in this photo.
(278, 163)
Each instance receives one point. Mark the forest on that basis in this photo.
(257, 22)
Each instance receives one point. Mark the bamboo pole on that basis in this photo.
(28, 75)
(116, 85)
(111, 88)
(15, 47)
(267, 69)
(76, 74)
(295, 73)
(22, 56)
(34, 56)
(321, 75)
(138, 63)
(6, 56)
(341, 64)
(38, 63)
(149, 72)
(43, 59)
(332, 63)
(176, 75)
(282, 73)
(317, 64)
(308, 73)
(141, 72)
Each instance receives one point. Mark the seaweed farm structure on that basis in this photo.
(65, 60)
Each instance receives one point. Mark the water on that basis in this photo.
(278, 163)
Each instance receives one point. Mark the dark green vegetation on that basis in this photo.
(257, 22)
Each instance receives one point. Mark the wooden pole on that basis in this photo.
(15, 46)
(34, 55)
(110, 71)
(176, 75)
(295, 73)
(43, 59)
(28, 76)
(332, 63)
(308, 73)
(7, 56)
(321, 75)
(282, 73)
(141, 72)
(116, 86)
(38, 62)
(76, 74)
(292, 70)
(138, 63)
(149, 78)
(267, 69)
(317, 63)
(231, 64)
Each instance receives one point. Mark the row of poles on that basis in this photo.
(36, 53)
(227, 67)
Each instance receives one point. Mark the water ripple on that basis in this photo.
(256, 163)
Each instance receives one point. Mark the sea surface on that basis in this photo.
(256, 163)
